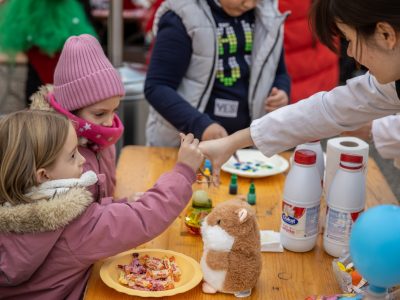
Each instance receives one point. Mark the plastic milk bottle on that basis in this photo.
(346, 200)
(301, 203)
(316, 147)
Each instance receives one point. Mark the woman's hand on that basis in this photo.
(220, 150)
(363, 132)
(276, 99)
(214, 131)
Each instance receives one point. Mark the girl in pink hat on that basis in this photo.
(87, 89)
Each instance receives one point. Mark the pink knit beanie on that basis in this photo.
(84, 75)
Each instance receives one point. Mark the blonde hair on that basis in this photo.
(29, 140)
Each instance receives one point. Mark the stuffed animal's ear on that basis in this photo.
(242, 214)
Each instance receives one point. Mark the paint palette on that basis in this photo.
(254, 164)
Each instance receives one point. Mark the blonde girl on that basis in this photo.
(51, 230)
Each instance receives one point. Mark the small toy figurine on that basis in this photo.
(231, 260)
(251, 196)
(207, 165)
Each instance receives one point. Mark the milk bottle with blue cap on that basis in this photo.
(301, 203)
(345, 202)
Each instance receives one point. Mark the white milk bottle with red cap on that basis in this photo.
(301, 202)
(345, 202)
(317, 148)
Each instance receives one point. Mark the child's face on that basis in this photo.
(101, 113)
(69, 163)
(379, 54)
(236, 8)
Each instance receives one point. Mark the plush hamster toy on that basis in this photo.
(231, 260)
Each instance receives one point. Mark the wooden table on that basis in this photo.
(285, 276)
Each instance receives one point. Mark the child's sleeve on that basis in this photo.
(170, 59)
(282, 78)
(108, 230)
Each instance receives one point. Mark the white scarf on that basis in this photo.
(50, 188)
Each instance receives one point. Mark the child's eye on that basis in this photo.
(99, 114)
(73, 156)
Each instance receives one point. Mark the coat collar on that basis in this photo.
(45, 215)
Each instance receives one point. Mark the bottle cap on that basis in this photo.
(233, 179)
(252, 188)
(351, 161)
(305, 157)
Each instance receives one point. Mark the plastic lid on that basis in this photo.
(351, 161)
(252, 188)
(305, 157)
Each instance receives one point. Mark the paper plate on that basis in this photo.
(191, 272)
(254, 164)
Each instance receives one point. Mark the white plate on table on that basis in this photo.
(254, 164)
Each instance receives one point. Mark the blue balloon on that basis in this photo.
(375, 245)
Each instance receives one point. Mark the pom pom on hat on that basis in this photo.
(84, 75)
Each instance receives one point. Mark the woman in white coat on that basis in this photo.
(372, 28)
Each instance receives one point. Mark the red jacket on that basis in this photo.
(311, 66)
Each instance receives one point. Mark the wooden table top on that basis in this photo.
(285, 276)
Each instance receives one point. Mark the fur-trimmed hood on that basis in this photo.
(45, 215)
(39, 99)
(31, 230)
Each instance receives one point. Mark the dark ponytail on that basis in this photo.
(362, 15)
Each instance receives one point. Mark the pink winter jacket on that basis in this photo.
(103, 164)
(48, 247)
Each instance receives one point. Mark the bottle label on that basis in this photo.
(339, 224)
(300, 221)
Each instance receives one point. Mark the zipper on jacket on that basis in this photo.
(263, 65)
(214, 61)
(98, 184)
(265, 61)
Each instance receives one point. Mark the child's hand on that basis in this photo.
(189, 152)
(135, 196)
(276, 99)
(214, 131)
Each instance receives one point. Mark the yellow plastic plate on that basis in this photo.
(191, 272)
